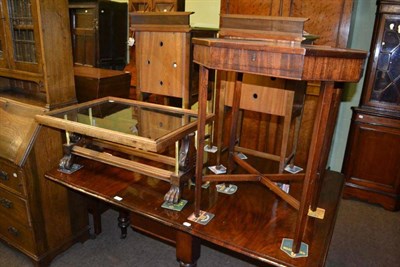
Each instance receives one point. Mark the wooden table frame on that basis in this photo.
(140, 146)
(287, 60)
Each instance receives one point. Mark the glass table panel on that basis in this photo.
(134, 123)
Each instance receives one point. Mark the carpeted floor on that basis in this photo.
(365, 235)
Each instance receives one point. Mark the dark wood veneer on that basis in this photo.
(243, 223)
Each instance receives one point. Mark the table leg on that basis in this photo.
(329, 130)
(318, 155)
(219, 114)
(187, 249)
(123, 223)
(235, 117)
(201, 124)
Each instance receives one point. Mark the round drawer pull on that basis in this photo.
(6, 203)
(3, 176)
(13, 231)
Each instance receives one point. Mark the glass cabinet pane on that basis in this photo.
(1, 33)
(387, 78)
(22, 30)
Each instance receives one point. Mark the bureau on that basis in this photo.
(30, 219)
(38, 218)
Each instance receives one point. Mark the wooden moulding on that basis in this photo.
(160, 21)
(262, 27)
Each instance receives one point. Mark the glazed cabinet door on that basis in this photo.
(383, 81)
(21, 35)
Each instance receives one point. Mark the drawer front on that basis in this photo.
(267, 63)
(17, 234)
(261, 94)
(12, 177)
(13, 207)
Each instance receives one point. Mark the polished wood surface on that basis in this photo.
(242, 222)
(371, 163)
(313, 62)
(330, 21)
(18, 127)
(281, 59)
(92, 83)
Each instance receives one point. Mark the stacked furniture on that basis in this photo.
(38, 217)
(99, 32)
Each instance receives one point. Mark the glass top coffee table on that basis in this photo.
(106, 128)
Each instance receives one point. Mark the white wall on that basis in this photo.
(206, 13)
(360, 38)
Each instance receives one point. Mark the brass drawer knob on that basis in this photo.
(6, 203)
(3, 176)
(13, 231)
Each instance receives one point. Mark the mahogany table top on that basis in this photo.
(252, 221)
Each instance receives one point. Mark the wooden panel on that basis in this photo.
(17, 129)
(266, 99)
(256, 7)
(329, 19)
(162, 63)
(245, 26)
(371, 161)
(333, 69)
(92, 83)
(59, 70)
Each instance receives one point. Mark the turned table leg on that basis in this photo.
(123, 223)
(187, 249)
